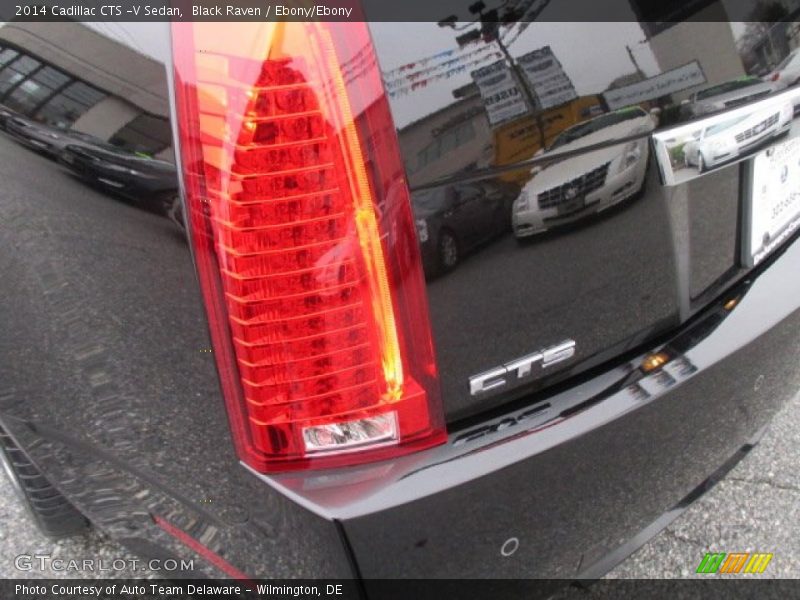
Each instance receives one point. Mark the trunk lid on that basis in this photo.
(612, 258)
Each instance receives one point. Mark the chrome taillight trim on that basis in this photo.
(675, 170)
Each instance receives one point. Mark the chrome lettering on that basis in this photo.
(520, 368)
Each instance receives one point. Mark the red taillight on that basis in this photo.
(775, 76)
(304, 243)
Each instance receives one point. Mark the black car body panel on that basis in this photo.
(584, 284)
(135, 177)
(5, 114)
(637, 448)
(35, 136)
(108, 383)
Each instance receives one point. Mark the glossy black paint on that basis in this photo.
(623, 260)
(107, 382)
(38, 137)
(5, 115)
(636, 447)
(138, 178)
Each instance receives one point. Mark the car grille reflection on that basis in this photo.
(758, 128)
(580, 186)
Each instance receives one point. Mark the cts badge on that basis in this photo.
(520, 368)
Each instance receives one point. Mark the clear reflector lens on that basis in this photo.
(351, 434)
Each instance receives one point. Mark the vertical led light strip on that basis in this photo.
(367, 225)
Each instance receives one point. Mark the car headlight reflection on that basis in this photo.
(630, 156)
(522, 203)
(719, 146)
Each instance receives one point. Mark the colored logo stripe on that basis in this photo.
(753, 563)
(711, 562)
(734, 562)
(758, 563)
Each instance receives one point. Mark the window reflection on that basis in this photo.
(15, 72)
(49, 92)
(33, 88)
(112, 133)
(36, 89)
(7, 55)
(73, 101)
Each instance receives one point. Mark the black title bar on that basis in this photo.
(646, 11)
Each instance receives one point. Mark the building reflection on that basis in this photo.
(525, 112)
(67, 75)
(63, 95)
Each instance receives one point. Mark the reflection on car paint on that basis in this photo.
(687, 151)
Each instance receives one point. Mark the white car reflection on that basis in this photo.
(572, 188)
(787, 73)
(730, 138)
(728, 95)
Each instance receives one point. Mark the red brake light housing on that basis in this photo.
(304, 242)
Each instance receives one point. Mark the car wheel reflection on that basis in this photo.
(448, 251)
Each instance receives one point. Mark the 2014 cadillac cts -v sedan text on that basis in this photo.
(271, 385)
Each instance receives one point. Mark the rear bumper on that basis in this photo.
(556, 488)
